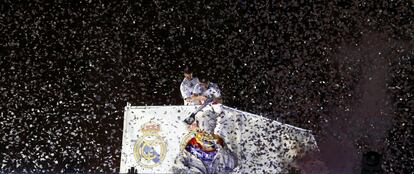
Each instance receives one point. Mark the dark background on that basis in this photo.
(339, 68)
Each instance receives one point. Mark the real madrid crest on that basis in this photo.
(150, 148)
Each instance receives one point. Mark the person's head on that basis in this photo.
(203, 80)
(188, 73)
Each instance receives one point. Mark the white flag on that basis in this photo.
(155, 138)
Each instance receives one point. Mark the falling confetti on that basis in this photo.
(67, 70)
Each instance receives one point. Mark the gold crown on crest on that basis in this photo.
(150, 128)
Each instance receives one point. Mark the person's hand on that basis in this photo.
(218, 100)
(189, 100)
(202, 98)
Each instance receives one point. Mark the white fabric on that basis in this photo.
(187, 87)
(212, 90)
(260, 145)
(223, 163)
(207, 120)
(225, 160)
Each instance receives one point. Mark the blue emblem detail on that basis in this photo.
(204, 156)
(150, 150)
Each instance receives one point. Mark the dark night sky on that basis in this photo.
(343, 69)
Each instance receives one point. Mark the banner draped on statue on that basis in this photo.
(154, 138)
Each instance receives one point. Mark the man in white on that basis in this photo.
(187, 86)
(206, 89)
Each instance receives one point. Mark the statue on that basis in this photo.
(202, 150)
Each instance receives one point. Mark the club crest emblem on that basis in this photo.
(150, 148)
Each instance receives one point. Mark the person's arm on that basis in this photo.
(218, 100)
(217, 95)
(184, 92)
(194, 97)
(198, 98)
